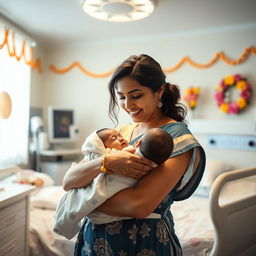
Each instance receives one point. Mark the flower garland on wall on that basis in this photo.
(9, 42)
(223, 94)
(83, 69)
(218, 56)
(191, 96)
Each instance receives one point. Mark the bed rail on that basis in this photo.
(235, 222)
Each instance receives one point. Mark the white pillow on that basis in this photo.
(47, 197)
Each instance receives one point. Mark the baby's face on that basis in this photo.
(115, 140)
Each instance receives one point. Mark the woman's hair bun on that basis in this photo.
(171, 105)
(175, 91)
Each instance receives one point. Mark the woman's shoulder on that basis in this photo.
(176, 129)
(183, 139)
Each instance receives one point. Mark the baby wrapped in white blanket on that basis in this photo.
(81, 202)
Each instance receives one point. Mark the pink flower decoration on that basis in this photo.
(219, 96)
(222, 84)
(249, 86)
(192, 97)
(233, 108)
(237, 77)
(246, 94)
(219, 102)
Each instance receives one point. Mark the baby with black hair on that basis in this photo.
(155, 144)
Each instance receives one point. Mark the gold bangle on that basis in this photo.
(103, 168)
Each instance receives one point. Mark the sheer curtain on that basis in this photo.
(15, 80)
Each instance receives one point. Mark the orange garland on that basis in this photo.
(218, 56)
(84, 70)
(35, 64)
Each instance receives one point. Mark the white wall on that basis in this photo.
(88, 96)
(36, 99)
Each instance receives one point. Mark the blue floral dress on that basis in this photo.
(150, 236)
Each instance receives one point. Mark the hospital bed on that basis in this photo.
(222, 224)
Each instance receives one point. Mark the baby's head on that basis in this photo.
(156, 145)
(112, 139)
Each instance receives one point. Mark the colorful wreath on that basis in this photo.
(191, 96)
(223, 94)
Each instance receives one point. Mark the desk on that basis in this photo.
(55, 164)
(60, 153)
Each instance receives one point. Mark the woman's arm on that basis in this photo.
(140, 201)
(81, 174)
(122, 162)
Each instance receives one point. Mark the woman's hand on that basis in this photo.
(127, 164)
(141, 200)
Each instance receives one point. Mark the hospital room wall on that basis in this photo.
(87, 95)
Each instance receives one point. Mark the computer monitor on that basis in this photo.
(61, 125)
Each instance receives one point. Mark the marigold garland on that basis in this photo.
(191, 96)
(223, 98)
(36, 64)
(84, 70)
(218, 56)
(11, 48)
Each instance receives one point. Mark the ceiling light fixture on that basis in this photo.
(119, 10)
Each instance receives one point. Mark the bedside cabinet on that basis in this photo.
(14, 219)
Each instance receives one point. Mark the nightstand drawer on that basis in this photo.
(12, 218)
(13, 244)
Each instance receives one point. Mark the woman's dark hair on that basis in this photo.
(148, 72)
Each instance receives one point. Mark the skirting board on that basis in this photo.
(235, 127)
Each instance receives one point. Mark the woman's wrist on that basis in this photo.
(103, 167)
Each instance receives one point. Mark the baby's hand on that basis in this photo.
(130, 149)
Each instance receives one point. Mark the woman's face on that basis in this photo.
(137, 100)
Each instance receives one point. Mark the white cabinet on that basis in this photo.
(14, 219)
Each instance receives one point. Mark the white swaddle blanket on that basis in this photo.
(81, 202)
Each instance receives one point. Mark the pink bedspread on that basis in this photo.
(192, 225)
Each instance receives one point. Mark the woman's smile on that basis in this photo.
(134, 114)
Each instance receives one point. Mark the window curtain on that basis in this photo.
(15, 80)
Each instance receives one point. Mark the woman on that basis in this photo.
(140, 86)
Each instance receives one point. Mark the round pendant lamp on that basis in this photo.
(119, 10)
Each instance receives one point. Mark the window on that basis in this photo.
(15, 80)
